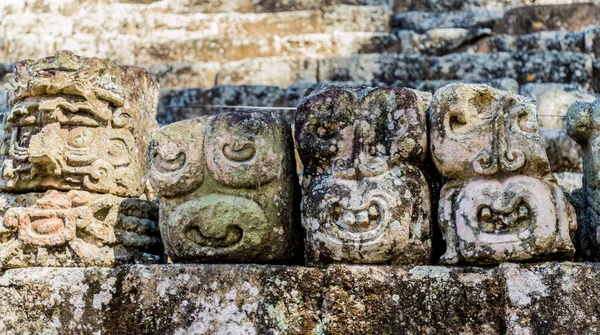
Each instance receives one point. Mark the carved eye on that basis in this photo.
(327, 130)
(122, 121)
(118, 154)
(239, 152)
(457, 124)
(81, 137)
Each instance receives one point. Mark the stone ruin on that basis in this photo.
(500, 201)
(364, 198)
(86, 172)
(227, 187)
(395, 186)
(73, 164)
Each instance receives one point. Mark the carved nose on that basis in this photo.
(360, 163)
(45, 153)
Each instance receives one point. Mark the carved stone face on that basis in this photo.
(480, 131)
(77, 124)
(500, 203)
(76, 228)
(362, 200)
(227, 186)
(583, 125)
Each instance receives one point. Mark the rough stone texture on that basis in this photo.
(569, 180)
(596, 78)
(372, 68)
(592, 40)
(441, 41)
(400, 6)
(77, 124)
(422, 22)
(500, 202)
(564, 154)
(227, 188)
(556, 67)
(199, 74)
(525, 20)
(173, 299)
(357, 18)
(265, 71)
(179, 104)
(386, 300)
(553, 100)
(365, 200)
(80, 125)
(551, 298)
(77, 228)
(431, 86)
(547, 298)
(584, 128)
(540, 41)
(474, 67)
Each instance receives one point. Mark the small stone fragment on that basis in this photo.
(227, 187)
(500, 202)
(364, 198)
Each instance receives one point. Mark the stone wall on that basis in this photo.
(546, 298)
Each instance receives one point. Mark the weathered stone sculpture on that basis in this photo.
(73, 161)
(500, 202)
(583, 125)
(364, 198)
(227, 186)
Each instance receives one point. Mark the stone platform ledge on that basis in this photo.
(545, 298)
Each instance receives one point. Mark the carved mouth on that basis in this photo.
(510, 219)
(361, 223)
(505, 211)
(46, 226)
(230, 236)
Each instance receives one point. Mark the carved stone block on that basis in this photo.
(77, 123)
(77, 129)
(77, 228)
(583, 125)
(500, 202)
(364, 198)
(227, 186)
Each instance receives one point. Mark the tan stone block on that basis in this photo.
(356, 19)
(77, 123)
(77, 228)
(500, 202)
(276, 71)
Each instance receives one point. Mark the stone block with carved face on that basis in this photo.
(73, 151)
(77, 123)
(227, 186)
(364, 200)
(500, 201)
(583, 125)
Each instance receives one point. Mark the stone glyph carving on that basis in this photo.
(583, 126)
(73, 152)
(364, 198)
(227, 186)
(500, 202)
